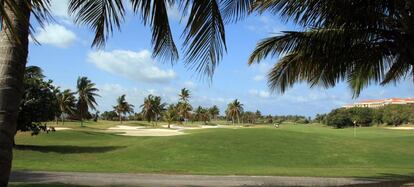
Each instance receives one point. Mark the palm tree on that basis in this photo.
(147, 108)
(202, 114)
(234, 110)
(66, 102)
(214, 111)
(184, 95)
(86, 93)
(361, 42)
(184, 106)
(123, 107)
(152, 108)
(170, 114)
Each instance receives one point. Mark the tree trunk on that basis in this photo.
(13, 58)
(63, 120)
(120, 118)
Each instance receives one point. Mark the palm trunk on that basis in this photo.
(63, 120)
(13, 57)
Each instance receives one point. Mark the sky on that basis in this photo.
(125, 66)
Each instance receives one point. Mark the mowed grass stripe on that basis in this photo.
(296, 150)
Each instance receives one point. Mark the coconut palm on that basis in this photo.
(86, 91)
(202, 114)
(214, 111)
(184, 95)
(204, 42)
(123, 107)
(357, 41)
(152, 108)
(234, 110)
(148, 108)
(66, 102)
(170, 114)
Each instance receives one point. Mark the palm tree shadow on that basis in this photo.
(68, 149)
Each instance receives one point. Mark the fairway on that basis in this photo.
(291, 150)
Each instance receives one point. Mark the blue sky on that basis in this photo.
(125, 66)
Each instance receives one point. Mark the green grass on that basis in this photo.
(292, 150)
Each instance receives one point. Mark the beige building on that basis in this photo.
(381, 103)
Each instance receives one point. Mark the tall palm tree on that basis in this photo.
(148, 108)
(358, 41)
(234, 110)
(184, 106)
(86, 93)
(152, 108)
(184, 95)
(204, 42)
(170, 114)
(123, 107)
(214, 111)
(67, 103)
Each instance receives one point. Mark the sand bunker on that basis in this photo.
(142, 131)
(61, 128)
(401, 128)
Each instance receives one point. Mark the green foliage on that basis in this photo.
(86, 97)
(339, 118)
(39, 102)
(123, 107)
(398, 114)
(152, 108)
(389, 114)
(109, 115)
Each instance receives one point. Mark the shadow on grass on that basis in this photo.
(68, 149)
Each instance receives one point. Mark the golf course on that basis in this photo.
(290, 150)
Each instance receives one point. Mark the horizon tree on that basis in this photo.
(86, 91)
(123, 107)
(202, 114)
(184, 106)
(171, 114)
(152, 108)
(66, 102)
(214, 111)
(234, 110)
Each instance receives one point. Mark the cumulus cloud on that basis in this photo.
(260, 93)
(137, 66)
(56, 35)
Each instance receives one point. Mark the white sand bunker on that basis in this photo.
(173, 126)
(61, 128)
(401, 128)
(142, 131)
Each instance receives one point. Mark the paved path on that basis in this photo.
(123, 179)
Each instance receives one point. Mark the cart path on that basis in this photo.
(126, 179)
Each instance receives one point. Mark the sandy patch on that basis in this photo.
(401, 128)
(142, 131)
(61, 128)
(125, 127)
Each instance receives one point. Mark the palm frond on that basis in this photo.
(102, 16)
(235, 10)
(324, 57)
(154, 13)
(204, 40)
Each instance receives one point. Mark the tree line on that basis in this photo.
(388, 115)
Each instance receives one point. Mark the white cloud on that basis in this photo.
(59, 9)
(258, 77)
(137, 66)
(260, 93)
(265, 24)
(190, 85)
(56, 35)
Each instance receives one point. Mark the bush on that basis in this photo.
(398, 114)
(339, 118)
